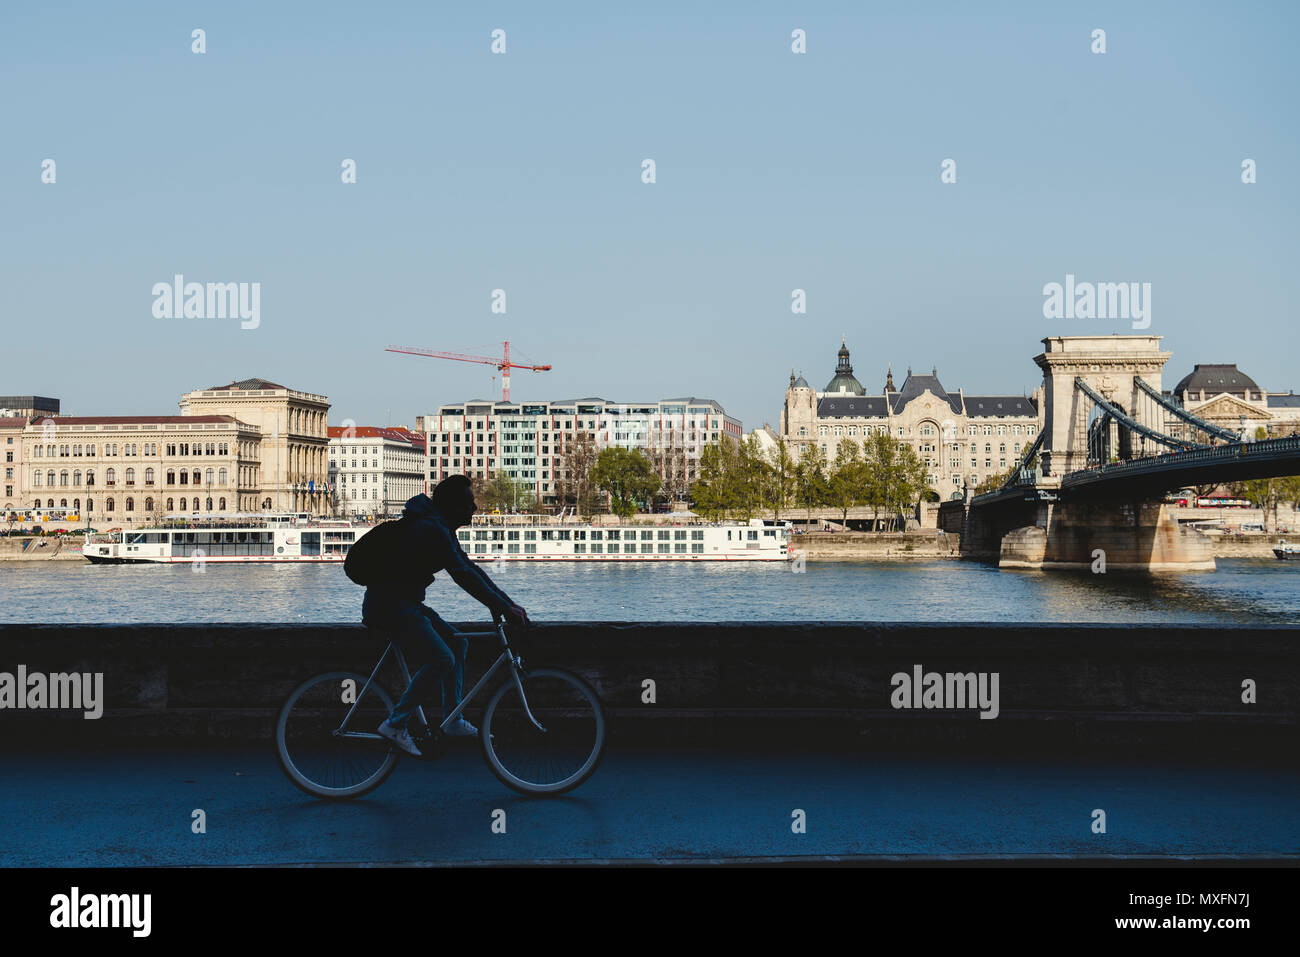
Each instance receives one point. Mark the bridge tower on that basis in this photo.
(1109, 364)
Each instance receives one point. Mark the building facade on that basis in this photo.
(374, 471)
(246, 447)
(962, 439)
(130, 469)
(12, 406)
(1223, 395)
(294, 444)
(529, 441)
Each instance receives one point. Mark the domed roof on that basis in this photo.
(801, 383)
(1215, 379)
(844, 382)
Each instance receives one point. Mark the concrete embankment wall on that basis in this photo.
(869, 546)
(40, 550)
(1060, 687)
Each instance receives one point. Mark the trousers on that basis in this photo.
(430, 644)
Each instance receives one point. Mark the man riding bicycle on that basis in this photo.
(397, 607)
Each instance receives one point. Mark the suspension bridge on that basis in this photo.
(1112, 445)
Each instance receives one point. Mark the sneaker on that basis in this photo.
(460, 728)
(400, 737)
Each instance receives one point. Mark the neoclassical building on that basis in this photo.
(248, 446)
(963, 439)
(1225, 396)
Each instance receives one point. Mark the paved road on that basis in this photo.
(134, 808)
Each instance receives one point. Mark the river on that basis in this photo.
(1240, 590)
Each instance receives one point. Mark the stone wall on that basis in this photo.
(1060, 686)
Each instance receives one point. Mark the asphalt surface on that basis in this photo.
(134, 807)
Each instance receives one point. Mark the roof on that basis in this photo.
(247, 385)
(392, 433)
(1288, 401)
(852, 407)
(1215, 379)
(13, 422)
(987, 405)
(915, 385)
(137, 419)
(845, 384)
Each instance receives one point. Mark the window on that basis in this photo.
(130, 478)
(130, 504)
(148, 476)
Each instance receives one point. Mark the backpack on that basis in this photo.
(380, 555)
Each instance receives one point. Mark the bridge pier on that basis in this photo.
(1118, 536)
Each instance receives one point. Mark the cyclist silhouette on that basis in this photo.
(397, 607)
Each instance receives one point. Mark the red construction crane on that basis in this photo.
(503, 364)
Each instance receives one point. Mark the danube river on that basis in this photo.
(1241, 590)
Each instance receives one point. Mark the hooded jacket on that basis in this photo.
(433, 547)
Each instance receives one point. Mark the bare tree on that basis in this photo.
(668, 455)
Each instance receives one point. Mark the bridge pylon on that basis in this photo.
(1111, 366)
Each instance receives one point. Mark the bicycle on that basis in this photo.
(540, 723)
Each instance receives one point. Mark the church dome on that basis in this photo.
(844, 382)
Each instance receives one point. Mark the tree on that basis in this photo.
(781, 477)
(845, 485)
(1267, 493)
(578, 459)
(810, 479)
(895, 476)
(752, 478)
(503, 493)
(628, 476)
(994, 482)
(714, 493)
(668, 456)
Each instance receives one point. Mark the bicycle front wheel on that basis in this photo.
(559, 755)
(318, 752)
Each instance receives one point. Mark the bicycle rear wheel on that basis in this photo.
(317, 753)
(560, 756)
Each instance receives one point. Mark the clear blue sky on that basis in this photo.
(522, 172)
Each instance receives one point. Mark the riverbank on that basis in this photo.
(875, 546)
(40, 549)
(927, 545)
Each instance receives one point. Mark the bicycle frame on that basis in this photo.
(506, 656)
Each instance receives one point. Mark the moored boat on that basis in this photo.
(270, 538)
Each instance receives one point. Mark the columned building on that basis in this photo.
(1223, 395)
(294, 443)
(127, 470)
(962, 439)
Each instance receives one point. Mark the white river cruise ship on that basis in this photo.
(262, 537)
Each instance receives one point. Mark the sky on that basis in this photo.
(522, 171)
